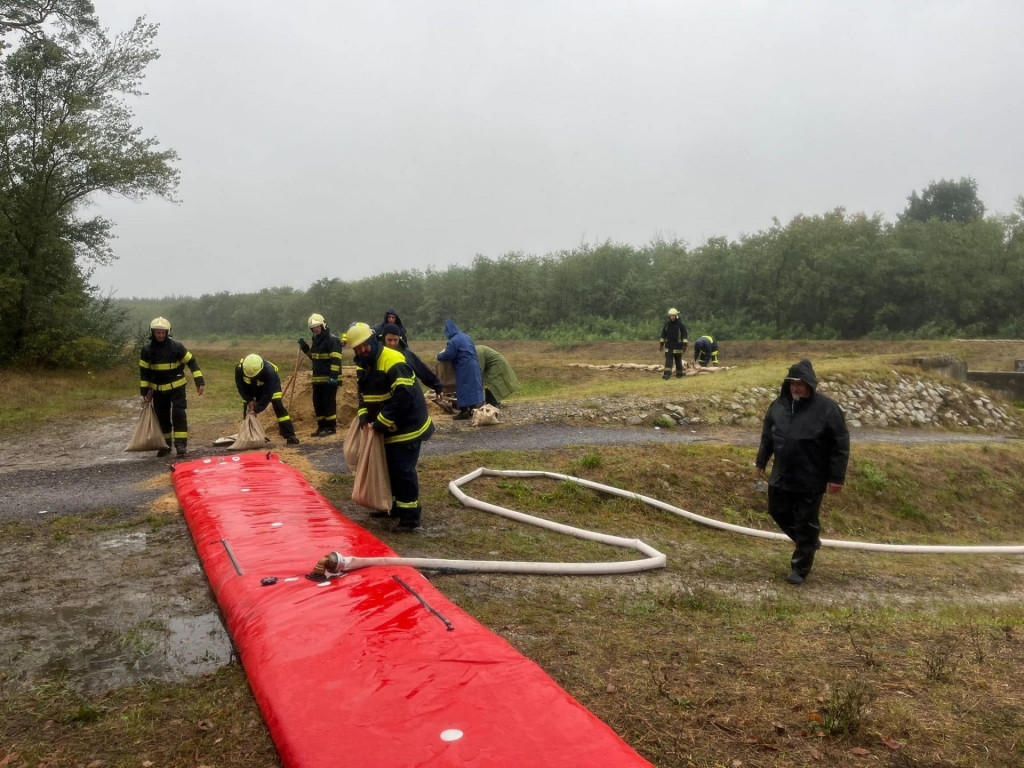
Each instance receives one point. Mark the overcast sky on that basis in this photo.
(332, 138)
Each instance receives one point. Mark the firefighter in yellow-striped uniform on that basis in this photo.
(162, 381)
(326, 356)
(259, 383)
(391, 401)
(705, 352)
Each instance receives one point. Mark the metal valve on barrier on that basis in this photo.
(328, 567)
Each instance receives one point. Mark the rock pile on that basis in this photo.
(900, 400)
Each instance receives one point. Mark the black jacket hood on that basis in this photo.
(802, 371)
(391, 311)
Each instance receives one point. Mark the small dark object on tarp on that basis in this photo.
(268, 581)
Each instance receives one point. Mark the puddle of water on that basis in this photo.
(78, 645)
(197, 644)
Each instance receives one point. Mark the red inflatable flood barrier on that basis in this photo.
(359, 670)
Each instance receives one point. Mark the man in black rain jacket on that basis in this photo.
(806, 433)
(391, 316)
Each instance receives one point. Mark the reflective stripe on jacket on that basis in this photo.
(162, 366)
(390, 394)
(325, 352)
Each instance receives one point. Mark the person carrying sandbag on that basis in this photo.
(258, 382)
(391, 402)
(162, 382)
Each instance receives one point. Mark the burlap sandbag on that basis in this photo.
(251, 434)
(485, 415)
(148, 435)
(372, 488)
(352, 444)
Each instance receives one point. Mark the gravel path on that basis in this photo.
(84, 467)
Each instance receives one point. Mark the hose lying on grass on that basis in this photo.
(654, 558)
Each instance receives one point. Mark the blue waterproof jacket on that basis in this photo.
(461, 353)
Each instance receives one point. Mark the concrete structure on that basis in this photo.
(1007, 384)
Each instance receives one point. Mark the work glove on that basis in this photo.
(661, 347)
(379, 427)
(364, 419)
(685, 345)
(439, 390)
(303, 345)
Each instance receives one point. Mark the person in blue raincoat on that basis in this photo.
(461, 353)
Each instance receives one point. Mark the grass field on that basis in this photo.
(712, 662)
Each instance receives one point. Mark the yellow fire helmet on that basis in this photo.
(673, 311)
(357, 334)
(160, 324)
(316, 319)
(252, 365)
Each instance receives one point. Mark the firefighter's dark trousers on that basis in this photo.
(325, 406)
(405, 482)
(797, 515)
(170, 408)
(673, 356)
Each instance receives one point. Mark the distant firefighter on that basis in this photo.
(162, 380)
(705, 352)
(673, 343)
(326, 356)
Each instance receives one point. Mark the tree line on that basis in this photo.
(67, 134)
(835, 275)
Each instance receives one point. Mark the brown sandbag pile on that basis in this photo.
(148, 435)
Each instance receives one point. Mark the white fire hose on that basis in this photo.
(339, 564)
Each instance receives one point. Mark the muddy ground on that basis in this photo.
(108, 590)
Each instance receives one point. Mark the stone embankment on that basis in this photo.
(900, 400)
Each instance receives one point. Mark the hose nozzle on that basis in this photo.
(330, 563)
